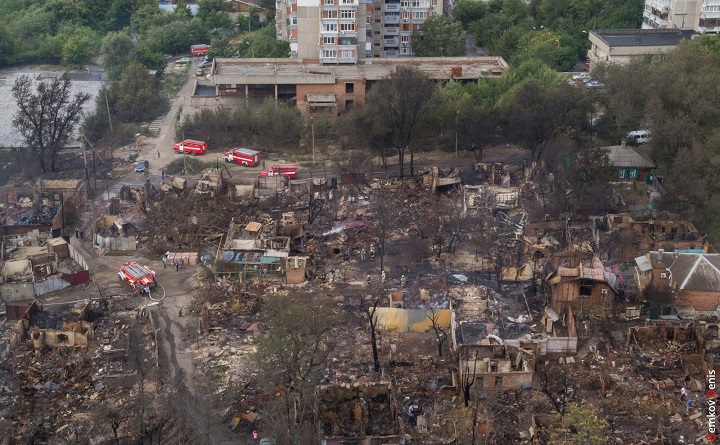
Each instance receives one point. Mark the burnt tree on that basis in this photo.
(389, 214)
(368, 307)
(440, 334)
(47, 117)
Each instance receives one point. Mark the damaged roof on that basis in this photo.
(693, 271)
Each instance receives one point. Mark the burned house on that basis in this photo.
(497, 366)
(43, 330)
(357, 413)
(580, 280)
(490, 197)
(34, 265)
(658, 233)
(254, 250)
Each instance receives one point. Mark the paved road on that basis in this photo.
(473, 50)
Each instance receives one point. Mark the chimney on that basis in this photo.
(660, 254)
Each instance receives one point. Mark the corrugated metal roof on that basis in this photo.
(696, 271)
(643, 263)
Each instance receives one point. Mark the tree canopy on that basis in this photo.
(440, 37)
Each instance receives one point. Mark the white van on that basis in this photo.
(638, 136)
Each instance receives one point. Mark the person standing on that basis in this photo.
(164, 262)
(177, 266)
(182, 262)
(158, 153)
(683, 394)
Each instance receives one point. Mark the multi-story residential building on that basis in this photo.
(702, 16)
(346, 31)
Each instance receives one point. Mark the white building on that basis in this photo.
(702, 16)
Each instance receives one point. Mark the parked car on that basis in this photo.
(142, 166)
(199, 72)
(638, 137)
(183, 61)
(581, 76)
(205, 64)
(594, 84)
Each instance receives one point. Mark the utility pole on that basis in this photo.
(312, 130)
(457, 114)
(107, 104)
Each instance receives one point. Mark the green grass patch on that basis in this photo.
(194, 165)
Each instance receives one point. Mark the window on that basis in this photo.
(294, 20)
(348, 54)
(405, 15)
(405, 3)
(633, 173)
(329, 27)
(347, 14)
(329, 2)
(349, 103)
(349, 88)
(328, 40)
(663, 275)
(404, 39)
(347, 2)
(330, 14)
(347, 27)
(329, 53)
(405, 50)
(621, 173)
(415, 3)
(376, 32)
(377, 44)
(433, 3)
(419, 15)
(347, 41)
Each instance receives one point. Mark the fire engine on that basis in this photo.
(243, 156)
(289, 170)
(199, 50)
(190, 146)
(136, 275)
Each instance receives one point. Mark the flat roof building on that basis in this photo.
(622, 45)
(328, 90)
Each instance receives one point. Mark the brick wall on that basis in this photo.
(699, 299)
(338, 89)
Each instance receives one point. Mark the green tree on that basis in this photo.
(7, 46)
(117, 52)
(263, 44)
(440, 37)
(468, 11)
(398, 109)
(80, 46)
(46, 117)
(182, 11)
(136, 96)
(581, 425)
(212, 14)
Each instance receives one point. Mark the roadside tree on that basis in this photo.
(46, 117)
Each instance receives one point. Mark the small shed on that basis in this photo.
(632, 163)
(59, 247)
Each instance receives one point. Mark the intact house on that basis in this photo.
(581, 281)
(632, 163)
(623, 45)
(693, 277)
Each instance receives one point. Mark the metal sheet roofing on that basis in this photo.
(696, 271)
(641, 37)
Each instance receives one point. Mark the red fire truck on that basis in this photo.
(289, 170)
(190, 146)
(199, 50)
(242, 156)
(136, 275)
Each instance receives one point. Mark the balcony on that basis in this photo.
(392, 53)
(391, 42)
(391, 31)
(393, 19)
(392, 7)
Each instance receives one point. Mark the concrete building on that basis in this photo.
(699, 16)
(622, 45)
(346, 31)
(325, 91)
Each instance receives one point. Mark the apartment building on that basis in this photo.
(702, 16)
(346, 31)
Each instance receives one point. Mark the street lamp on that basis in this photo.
(457, 114)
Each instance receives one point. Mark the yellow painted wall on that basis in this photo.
(404, 320)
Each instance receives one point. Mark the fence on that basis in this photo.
(115, 243)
